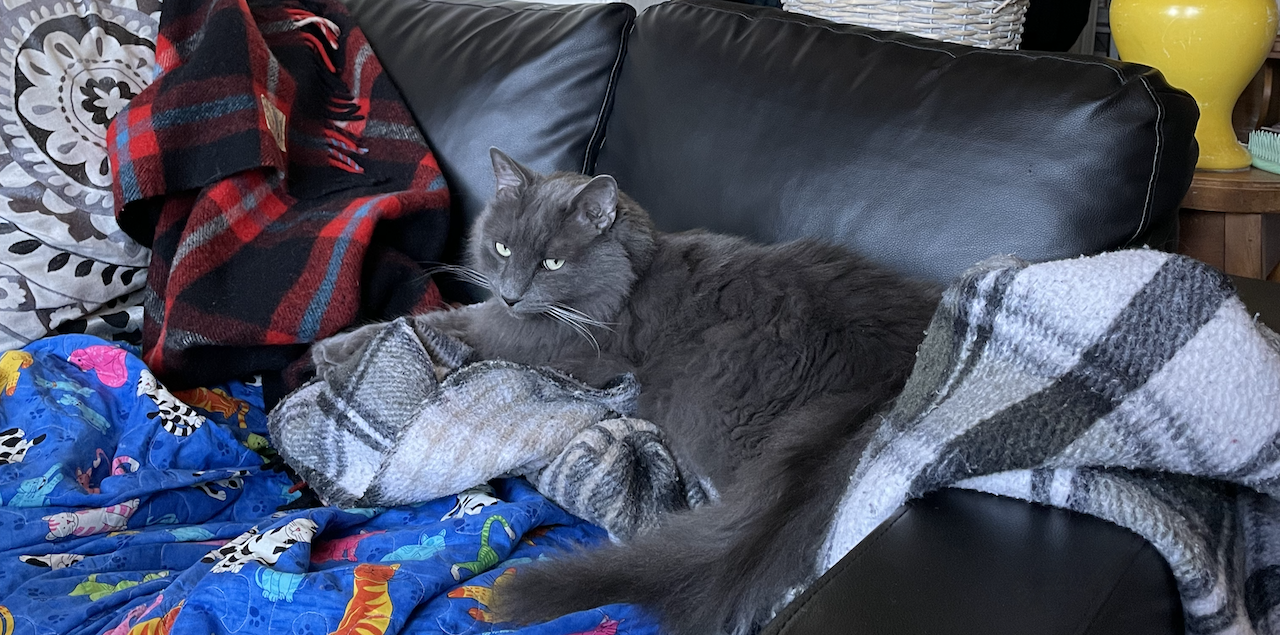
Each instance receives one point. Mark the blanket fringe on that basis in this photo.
(341, 108)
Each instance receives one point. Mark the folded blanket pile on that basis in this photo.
(401, 413)
(281, 183)
(1132, 386)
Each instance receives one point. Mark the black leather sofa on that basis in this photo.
(924, 156)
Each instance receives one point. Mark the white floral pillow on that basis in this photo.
(67, 68)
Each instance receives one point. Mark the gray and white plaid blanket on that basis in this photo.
(409, 416)
(401, 413)
(1132, 386)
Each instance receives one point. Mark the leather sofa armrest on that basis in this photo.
(963, 562)
(1261, 298)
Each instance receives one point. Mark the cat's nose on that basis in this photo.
(510, 301)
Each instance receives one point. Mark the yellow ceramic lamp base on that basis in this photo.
(1209, 48)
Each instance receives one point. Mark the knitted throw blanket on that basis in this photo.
(408, 415)
(1132, 386)
(281, 182)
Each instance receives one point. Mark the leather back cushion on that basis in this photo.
(925, 157)
(531, 79)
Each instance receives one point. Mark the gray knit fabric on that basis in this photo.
(379, 427)
(1133, 386)
(619, 475)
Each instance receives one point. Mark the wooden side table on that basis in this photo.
(1231, 220)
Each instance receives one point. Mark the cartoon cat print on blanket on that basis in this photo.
(486, 557)
(86, 412)
(158, 625)
(235, 480)
(134, 615)
(11, 365)
(34, 492)
(191, 534)
(278, 585)
(265, 549)
(123, 465)
(71, 395)
(369, 611)
(88, 522)
(340, 548)
(605, 627)
(98, 590)
(66, 384)
(178, 418)
(85, 479)
(85, 476)
(52, 561)
(481, 595)
(13, 445)
(471, 501)
(428, 546)
(106, 361)
(216, 400)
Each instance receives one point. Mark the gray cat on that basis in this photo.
(761, 364)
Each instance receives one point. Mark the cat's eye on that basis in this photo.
(553, 263)
(502, 249)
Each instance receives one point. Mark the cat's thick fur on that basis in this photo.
(761, 364)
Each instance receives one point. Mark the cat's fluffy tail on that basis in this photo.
(723, 567)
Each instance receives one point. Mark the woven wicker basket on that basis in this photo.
(995, 24)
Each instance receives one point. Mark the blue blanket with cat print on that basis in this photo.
(128, 509)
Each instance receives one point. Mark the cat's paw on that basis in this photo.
(338, 349)
(451, 323)
(445, 340)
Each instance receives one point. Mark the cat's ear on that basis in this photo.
(511, 176)
(595, 204)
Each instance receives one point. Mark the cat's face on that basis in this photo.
(61, 525)
(547, 244)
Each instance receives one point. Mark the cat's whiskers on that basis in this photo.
(582, 317)
(558, 313)
(466, 273)
(582, 330)
(574, 318)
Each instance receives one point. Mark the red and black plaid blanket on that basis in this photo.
(280, 182)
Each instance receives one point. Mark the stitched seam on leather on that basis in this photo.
(1155, 161)
(1089, 621)
(608, 97)
(854, 555)
(1069, 60)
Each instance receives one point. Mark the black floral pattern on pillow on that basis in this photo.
(104, 98)
(66, 69)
